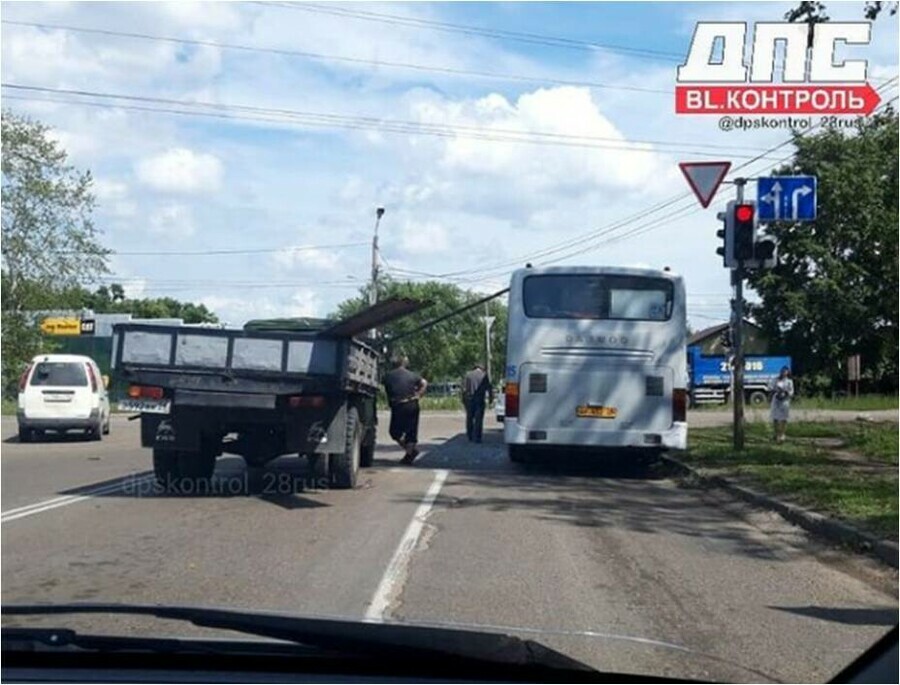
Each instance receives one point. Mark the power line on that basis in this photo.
(204, 253)
(435, 68)
(320, 119)
(467, 29)
(592, 235)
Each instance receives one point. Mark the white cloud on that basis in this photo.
(113, 198)
(565, 113)
(180, 170)
(236, 310)
(135, 288)
(172, 221)
(424, 237)
(306, 302)
(313, 258)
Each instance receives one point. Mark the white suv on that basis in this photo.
(61, 392)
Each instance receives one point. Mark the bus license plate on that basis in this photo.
(145, 406)
(587, 412)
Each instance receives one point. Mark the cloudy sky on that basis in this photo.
(240, 149)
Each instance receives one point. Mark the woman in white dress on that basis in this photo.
(781, 390)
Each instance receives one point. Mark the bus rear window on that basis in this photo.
(577, 296)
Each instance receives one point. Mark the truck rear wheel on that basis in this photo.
(758, 398)
(197, 466)
(165, 467)
(318, 469)
(367, 452)
(344, 466)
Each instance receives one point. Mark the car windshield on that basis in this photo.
(574, 321)
(59, 373)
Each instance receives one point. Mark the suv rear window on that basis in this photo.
(59, 373)
(587, 296)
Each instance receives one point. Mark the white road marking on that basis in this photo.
(395, 574)
(55, 503)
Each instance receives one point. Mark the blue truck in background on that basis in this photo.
(709, 376)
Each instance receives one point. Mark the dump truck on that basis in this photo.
(295, 386)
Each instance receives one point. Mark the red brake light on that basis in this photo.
(148, 391)
(744, 212)
(512, 399)
(679, 405)
(151, 392)
(23, 379)
(92, 376)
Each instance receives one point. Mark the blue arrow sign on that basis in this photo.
(786, 198)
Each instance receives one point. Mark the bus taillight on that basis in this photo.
(679, 405)
(512, 399)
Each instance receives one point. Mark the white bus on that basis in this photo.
(596, 357)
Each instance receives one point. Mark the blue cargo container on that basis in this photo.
(710, 376)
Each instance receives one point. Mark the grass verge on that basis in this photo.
(861, 403)
(842, 470)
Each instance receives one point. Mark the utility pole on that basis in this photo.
(373, 294)
(488, 323)
(737, 338)
(373, 291)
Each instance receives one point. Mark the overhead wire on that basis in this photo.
(216, 252)
(592, 235)
(304, 54)
(468, 29)
(331, 120)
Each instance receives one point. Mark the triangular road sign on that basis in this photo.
(704, 178)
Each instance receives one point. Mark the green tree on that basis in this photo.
(49, 241)
(448, 349)
(834, 291)
(812, 12)
(112, 300)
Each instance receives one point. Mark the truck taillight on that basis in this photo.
(148, 391)
(90, 372)
(315, 401)
(512, 399)
(23, 379)
(679, 405)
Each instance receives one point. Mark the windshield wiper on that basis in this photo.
(382, 640)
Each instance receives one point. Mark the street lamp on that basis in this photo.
(373, 292)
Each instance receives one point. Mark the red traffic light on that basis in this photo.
(743, 212)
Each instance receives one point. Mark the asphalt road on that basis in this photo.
(614, 565)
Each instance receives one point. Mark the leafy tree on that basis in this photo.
(49, 241)
(815, 12)
(834, 291)
(111, 300)
(449, 349)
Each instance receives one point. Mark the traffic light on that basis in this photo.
(744, 216)
(765, 252)
(726, 233)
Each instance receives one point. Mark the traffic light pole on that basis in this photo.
(737, 337)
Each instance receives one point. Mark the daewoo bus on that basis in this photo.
(596, 358)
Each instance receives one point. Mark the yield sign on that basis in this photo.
(704, 178)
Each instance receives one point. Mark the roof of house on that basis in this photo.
(702, 335)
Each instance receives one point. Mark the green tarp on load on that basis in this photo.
(296, 325)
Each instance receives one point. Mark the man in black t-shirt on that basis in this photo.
(404, 388)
